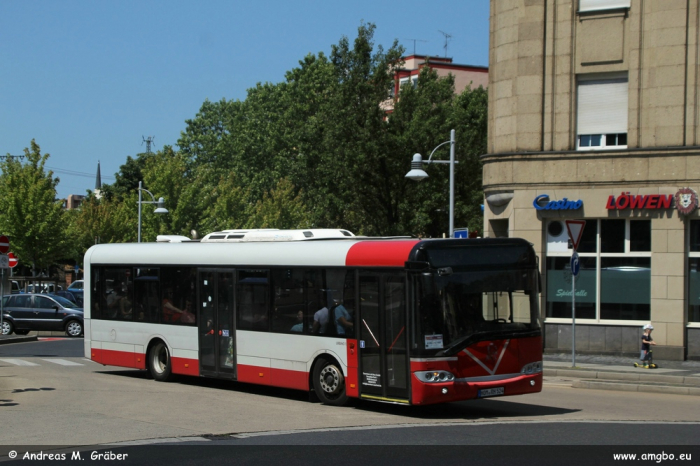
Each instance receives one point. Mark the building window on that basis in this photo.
(595, 5)
(694, 273)
(602, 113)
(614, 280)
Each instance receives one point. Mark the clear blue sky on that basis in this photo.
(89, 79)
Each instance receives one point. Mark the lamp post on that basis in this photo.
(417, 174)
(159, 203)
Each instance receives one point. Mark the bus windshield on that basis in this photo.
(454, 310)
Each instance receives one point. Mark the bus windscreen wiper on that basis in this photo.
(462, 343)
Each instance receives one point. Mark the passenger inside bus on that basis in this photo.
(170, 312)
(125, 307)
(299, 326)
(343, 319)
(320, 321)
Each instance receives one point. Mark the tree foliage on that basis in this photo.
(32, 217)
(316, 150)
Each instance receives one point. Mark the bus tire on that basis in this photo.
(329, 383)
(159, 363)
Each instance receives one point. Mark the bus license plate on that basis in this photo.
(491, 392)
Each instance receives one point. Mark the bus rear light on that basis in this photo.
(435, 376)
(532, 368)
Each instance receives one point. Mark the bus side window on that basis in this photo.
(253, 299)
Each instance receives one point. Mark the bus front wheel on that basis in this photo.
(159, 363)
(329, 383)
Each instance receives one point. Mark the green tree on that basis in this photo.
(32, 217)
(102, 221)
(281, 208)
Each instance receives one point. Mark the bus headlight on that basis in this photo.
(532, 368)
(435, 376)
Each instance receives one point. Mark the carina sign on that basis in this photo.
(542, 202)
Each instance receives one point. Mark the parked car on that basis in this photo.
(23, 313)
(77, 285)
(77, 288)
(43, 288)
(73, 297)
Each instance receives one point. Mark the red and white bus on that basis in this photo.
(406, 320)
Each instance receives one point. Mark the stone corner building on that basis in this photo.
(593, 115)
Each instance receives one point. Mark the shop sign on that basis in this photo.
(686, 201)
(640, 201)
(564, 204)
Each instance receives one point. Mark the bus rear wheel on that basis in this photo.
(159, 364)
(329, 383)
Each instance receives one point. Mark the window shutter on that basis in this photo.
(602, 106)
(593, 5)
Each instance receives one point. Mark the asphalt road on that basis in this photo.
(60, 399)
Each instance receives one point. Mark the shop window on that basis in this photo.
(614, 282)
(612, 235)
(559, 288)
(694, 273)
(640, 235)
(694, 289)
(625, 284)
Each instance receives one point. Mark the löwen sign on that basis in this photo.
(640, 201)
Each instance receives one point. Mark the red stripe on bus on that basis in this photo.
(274, 377)
(379, 253)
(185, 366)
(118, 358)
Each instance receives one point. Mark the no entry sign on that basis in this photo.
(13, 261)
(4, 244)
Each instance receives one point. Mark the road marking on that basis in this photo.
(18, 362)
(63, 362)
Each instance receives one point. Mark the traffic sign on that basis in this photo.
(4, 244)
(12, 260)
(575, 264)
(4, 262)
(575, 230)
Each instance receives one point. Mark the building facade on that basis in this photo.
(464, 75)
(593, 115)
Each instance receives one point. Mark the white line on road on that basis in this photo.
(18, 362)
(63, 362)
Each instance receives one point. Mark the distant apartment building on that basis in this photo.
(593, 115)
(464, 75)
(73, 201)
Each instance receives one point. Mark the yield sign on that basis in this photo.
(575, 229)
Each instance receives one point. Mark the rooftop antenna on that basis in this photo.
(414, 43)
(148, 141)
(448, 37)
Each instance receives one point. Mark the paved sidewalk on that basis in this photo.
(5, 339)
(618, 373)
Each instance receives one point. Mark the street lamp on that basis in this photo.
(417, 174)
(159, 210)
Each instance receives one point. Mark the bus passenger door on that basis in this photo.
(383, 343)
(217, 342)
